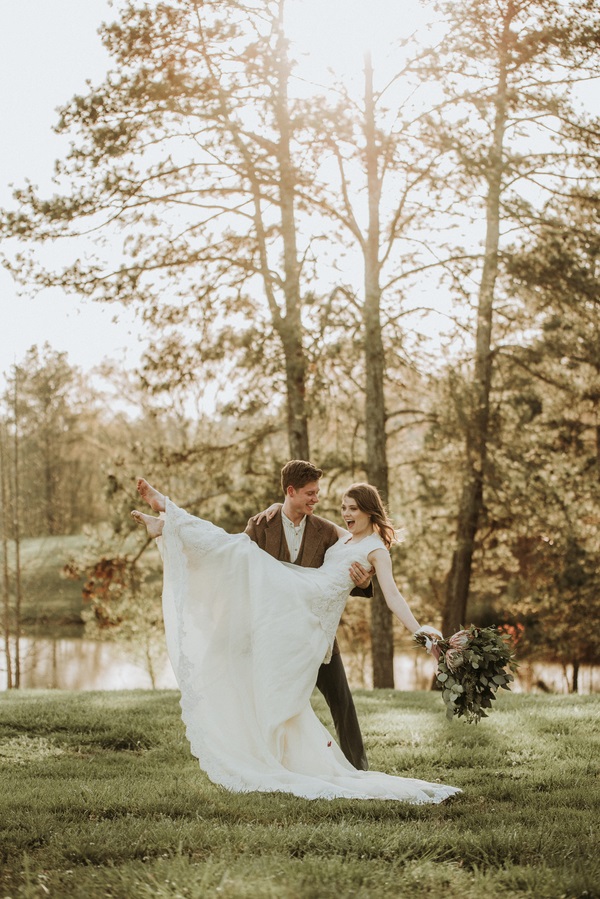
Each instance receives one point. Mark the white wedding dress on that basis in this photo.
(246, 635)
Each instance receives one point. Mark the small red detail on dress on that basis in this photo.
(329, 744)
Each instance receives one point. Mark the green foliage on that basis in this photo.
(53, 422)
(51, 602)
(542, 547)
(473, 664)
(99, 795)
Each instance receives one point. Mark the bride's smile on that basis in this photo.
(358, 522)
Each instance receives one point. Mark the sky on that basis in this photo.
(48, 49)
(47, 52)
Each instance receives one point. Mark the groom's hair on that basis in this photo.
(298, 473)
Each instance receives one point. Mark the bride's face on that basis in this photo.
(357, 521)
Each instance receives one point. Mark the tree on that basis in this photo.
(555, 387)
(16, 530)
(6, 585)
(536, 555)
(57, 427)
(194, 150)
(378, 203)
(509, 68)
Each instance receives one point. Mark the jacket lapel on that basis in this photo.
(311, 544)
(275, 543)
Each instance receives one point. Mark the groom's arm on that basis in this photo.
(367, 591)
(255, 532)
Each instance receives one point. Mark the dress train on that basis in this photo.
(246, 635)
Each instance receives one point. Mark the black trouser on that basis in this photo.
(333, 684)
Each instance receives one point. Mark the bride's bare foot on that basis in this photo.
(154, 526)
(154, 499)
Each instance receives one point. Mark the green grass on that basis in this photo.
(52, 604)
(49, 600)
(100, 797)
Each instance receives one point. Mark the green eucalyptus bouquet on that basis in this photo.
(472, 665)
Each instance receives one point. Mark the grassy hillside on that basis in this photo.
(49, 598)
(51, 601)
(99, 797)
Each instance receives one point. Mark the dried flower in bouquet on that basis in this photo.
(472, 665)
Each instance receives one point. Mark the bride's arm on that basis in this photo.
(382, 563)
(267, 513)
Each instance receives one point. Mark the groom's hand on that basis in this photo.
(361, 577)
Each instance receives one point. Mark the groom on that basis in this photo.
(295, 534)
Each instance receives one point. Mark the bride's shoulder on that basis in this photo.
(374, 543)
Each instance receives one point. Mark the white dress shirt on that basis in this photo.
(293, 535)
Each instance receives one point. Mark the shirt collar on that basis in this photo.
(287, 521)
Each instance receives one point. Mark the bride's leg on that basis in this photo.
(154, 499)
(154, 526)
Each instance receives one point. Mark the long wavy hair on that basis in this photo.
(368, 500)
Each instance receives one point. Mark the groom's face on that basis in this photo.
(304, 499)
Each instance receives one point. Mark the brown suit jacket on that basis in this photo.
(319, 535)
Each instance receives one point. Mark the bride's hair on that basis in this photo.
(368, 500)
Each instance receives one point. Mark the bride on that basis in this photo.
(246, 635)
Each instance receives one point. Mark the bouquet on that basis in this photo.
(472, 664)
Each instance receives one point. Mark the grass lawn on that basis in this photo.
(99, 797)
(49, 600)
(52, 604)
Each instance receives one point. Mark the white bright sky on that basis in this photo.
(47, 52)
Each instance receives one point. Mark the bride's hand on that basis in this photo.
(267, 514)
(431, 637)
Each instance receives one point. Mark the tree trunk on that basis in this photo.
(5, 569)
(291, 330)
(575, 678)
(471, 502)
(287, 322)
(17, 538)
(295, 371)
(51, 511)
(289, 325)
(375, 412)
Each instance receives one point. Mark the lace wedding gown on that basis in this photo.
(246, 635)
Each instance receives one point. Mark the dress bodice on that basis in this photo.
(353, 551)
(332, 582)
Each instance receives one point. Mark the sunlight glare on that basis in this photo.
(336, 34)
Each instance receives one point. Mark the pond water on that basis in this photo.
(77, 663)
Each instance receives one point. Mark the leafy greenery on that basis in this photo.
(99, 797)
(50, 600)
(60, 438)
(473, 663)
